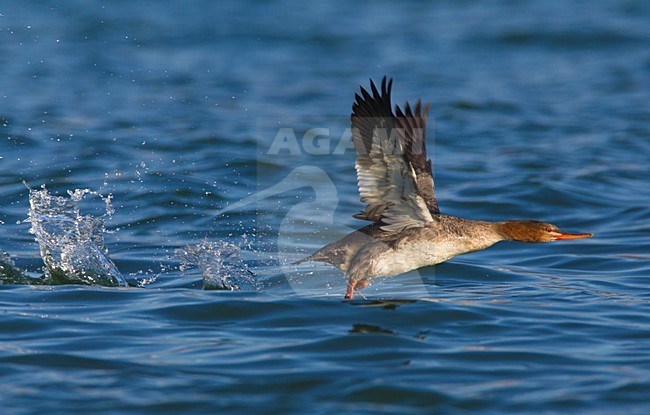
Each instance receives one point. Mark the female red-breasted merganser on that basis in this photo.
(396, 183)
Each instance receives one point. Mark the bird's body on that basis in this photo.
(395, 181)
(371, 251)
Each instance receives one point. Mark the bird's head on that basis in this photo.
(535, 231)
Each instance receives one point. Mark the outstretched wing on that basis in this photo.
(412, 126)
(393, 174)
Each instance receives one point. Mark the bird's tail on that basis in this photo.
(305, 259)
(317, 256)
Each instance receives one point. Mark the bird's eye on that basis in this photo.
(549, 230)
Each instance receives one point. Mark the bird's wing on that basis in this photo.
(393, 174)
(412, 125)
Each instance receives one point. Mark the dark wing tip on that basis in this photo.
(425, 110)
(371, 109)
(412, 122)
(374, 102)
(390, 85)
(373, 88)
(385, 88)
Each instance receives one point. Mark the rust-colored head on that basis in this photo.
(535, 231)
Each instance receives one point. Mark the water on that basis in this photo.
(220, 265)
(539, 110)
(71, 244)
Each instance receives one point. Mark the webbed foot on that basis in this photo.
(355, 285)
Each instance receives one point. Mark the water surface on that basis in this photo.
(539, 110)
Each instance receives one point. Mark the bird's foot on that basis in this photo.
(350, 292)
(356, 285)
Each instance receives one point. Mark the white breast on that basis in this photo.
(409, 257)
(421, 253)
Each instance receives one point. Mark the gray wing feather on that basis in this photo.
(393, 174)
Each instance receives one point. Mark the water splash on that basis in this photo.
(72, 244)
(9, 273)
(220, 265)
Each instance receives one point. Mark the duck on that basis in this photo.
(395, 181)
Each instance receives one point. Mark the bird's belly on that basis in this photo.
(413, 256)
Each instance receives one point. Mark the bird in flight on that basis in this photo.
(395, 179)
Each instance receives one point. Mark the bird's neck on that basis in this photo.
(477, 233)
(514, 230)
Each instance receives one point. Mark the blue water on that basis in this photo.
(540, 110)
